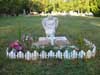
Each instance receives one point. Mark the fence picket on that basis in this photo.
(51, 54)
(66, 55)
(28, 56)
(12, 55)
(81, 54)
(20, 55)
(74, 54)
(88, 54)
(59, 54)
(35, 55)
(43, 55)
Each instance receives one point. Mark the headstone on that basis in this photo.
(88, 54)
(66, 54)
(35, 55)
(50, 24)
(28, 56)
(12, 55)
(43, 55)
(81, 54)
(59, 54)
(20, 55)
(51, 54)
(74, 54)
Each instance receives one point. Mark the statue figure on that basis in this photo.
(50, 24)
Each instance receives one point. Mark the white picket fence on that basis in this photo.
(74, 54)
(51, 54)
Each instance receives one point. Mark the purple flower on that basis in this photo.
(16, 45)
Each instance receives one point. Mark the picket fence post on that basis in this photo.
(43, 55)
(51, 54)
(59, 54)
(28, 55)
(12, 55)
(35, 55)
(88, 54)
(81, 54)
(74, 54)
(66, 54)
(94, 51)
(20, 55)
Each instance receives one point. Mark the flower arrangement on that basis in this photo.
(27, 41)
(16, 45)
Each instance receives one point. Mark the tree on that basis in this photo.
(37, 6)
(15, 7)
(97, 12)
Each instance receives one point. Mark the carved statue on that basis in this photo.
(50, 25)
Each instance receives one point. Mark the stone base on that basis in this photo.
(59, 41)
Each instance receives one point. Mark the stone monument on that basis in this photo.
(50, 25)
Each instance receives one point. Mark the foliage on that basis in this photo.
(37, 6)
(15, 7)
(97, 12)
(11, 7)
(81, 44)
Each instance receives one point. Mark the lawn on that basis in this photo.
(71, 27)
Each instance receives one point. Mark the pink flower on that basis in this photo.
(16, 45)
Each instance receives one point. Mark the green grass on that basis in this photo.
(72, 27)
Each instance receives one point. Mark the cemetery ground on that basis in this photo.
(72, 27)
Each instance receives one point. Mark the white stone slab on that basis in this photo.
(59, 40)
(43, 38)
(63, 38)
